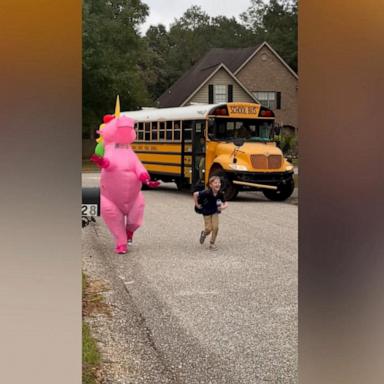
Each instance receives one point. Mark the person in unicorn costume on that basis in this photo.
(122, 175)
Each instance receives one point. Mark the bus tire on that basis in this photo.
(282, 193)
(230, 190)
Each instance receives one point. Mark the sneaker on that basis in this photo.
(212, 247)
(202, 237)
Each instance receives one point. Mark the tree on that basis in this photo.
(111, 47)
(153, 60)
(276, 23)
(190, 37)
(229, 33)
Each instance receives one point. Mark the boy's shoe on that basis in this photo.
(202, 237)
(212, 247)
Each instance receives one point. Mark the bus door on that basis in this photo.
(198, 154)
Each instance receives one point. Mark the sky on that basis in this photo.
(165, 11)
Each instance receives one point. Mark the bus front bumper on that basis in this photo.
(261, 180)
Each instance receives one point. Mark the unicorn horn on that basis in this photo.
(117, 107)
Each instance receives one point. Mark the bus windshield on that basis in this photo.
(247, 129)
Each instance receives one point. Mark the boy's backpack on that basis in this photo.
(199, 210)
(201, 202)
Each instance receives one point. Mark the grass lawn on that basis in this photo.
(91, 357)
(92, 303)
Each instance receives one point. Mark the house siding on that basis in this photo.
(220, 78)
(265, 72)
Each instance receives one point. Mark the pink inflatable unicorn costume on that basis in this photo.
(122, 175)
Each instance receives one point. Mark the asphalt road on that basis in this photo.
(228, 316)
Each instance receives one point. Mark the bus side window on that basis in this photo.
(187, 130)
(154, 131)
(161, 131)
(169, 130)
(176, 131)
(147, 129)
(140, 132)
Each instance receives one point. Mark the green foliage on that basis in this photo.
(171, 54)
(289, 145)
(91, 357)
(189, 38)
(153, 60)
(111, 47)
(276, 23)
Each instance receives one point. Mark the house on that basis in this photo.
(256, 74)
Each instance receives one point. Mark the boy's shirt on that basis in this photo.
(209, 202)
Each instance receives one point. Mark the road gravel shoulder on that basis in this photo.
(128, 353)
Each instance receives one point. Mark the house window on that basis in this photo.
(270, 100)
(220, 94)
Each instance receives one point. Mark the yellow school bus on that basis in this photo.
(234, 140)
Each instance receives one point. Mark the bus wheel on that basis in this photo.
(282, 193)
(230, 190)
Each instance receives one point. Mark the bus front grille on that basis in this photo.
(266, 162)
(274, 161)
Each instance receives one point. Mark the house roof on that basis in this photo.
(265, 44)
(212, 74)
(232, 58)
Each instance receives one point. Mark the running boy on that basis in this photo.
(211, 202)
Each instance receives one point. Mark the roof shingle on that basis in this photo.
(232, 58)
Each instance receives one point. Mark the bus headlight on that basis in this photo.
(289, 167)
(238, 167)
